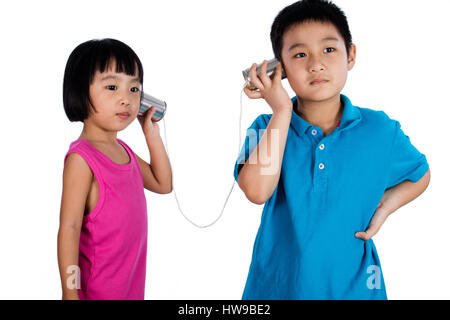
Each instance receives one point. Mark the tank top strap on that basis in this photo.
(81, 147)
(133, 158)
(89, 155)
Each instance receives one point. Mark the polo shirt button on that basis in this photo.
(321, 166)
(314, 132)
(322, 146)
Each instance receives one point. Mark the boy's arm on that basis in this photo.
(259, 176)
(393, 199)
(77, 179)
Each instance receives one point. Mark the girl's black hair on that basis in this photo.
(308, 10)
(81, 66)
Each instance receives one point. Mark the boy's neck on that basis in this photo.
(324, 114)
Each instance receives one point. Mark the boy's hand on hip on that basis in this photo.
(150, 128)
(269, 89)
(376, 222)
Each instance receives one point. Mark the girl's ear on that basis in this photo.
(351, 57)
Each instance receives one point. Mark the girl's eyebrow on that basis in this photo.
(113, 77)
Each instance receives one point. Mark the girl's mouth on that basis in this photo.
(123, 115)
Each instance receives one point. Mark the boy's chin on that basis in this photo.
(318, 96)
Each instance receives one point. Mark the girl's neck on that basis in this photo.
(93, 133)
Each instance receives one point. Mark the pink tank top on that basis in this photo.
(113, 239)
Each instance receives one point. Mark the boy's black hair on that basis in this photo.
(82, 65)
(305, 11)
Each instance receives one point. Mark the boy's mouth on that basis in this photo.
(318, 81)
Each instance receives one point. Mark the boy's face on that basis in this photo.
(116, 97)
(316, 51)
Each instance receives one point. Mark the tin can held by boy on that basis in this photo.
(271, 66)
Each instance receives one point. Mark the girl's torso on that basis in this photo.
(113, 238)
(118, 155)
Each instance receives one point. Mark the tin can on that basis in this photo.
(147, 101)
(271, 66)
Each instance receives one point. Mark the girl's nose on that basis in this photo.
(124, 101)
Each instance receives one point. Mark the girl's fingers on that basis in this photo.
(147, 116)
(151, 112)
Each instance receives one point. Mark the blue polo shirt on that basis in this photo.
(329, 189)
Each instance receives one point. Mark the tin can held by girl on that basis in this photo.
(147, 101)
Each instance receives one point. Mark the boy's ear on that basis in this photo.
(351, 57)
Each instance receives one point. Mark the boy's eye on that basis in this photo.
(331, 49)
(134, 89)
(112, 87)
(300, 55)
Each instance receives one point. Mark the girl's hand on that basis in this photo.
(150, 128)
(269, 89)
(377, 221)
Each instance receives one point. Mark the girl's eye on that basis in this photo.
(134, 89)
(300, 55)
(112, 87)
(331, 49)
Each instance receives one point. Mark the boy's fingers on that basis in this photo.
(263, 75)
(362, 236)
(254, 78)
(278, 72)
(368, 234)
(252, 94)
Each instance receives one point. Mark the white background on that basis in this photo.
(193, 53)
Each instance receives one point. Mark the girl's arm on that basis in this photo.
(77, 179)
(157, 176)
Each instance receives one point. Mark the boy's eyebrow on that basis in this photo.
(113, 77)
(296, 45)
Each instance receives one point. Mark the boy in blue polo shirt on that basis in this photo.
(328, 172)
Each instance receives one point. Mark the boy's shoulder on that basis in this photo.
(377, 118)
(261, 121)
(372, 117)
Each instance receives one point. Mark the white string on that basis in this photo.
(173, 184)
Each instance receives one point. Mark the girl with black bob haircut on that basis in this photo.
(102, 237)
(81, 66)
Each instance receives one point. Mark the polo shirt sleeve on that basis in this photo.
(251, 141)
(406, 162)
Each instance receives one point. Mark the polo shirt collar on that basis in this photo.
(350, 117)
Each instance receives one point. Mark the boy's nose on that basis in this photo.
(316, 65)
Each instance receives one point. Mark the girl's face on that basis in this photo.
(316, 51)
(116, 97)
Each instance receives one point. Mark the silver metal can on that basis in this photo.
(271, 66)
(147, 101)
